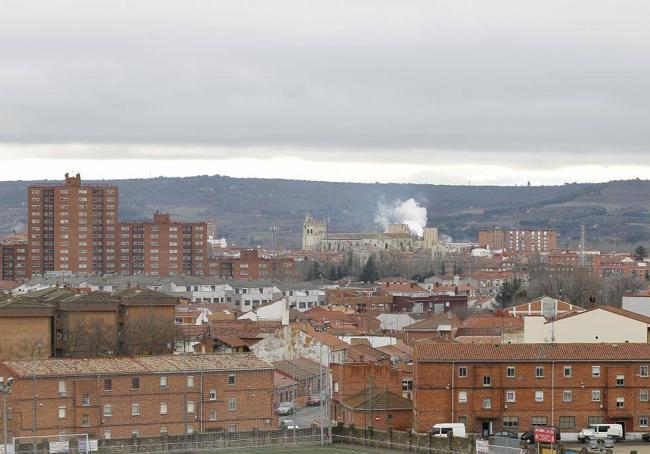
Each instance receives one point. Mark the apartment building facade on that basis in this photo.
(519, 386)
(519, 240)
(71, 227)
(13, 261)
(122, 398)
(248, 264)
(162, 247)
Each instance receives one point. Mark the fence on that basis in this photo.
(402, 441)
(214, 442)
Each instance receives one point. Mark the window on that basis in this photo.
(591, 420)
(567, 372)
(163, 382)
(462, 372)
(135, 383)
(62, 390)
(539, 421)
(163, 431)
(567, 422)
(135, 432)
(510, 422)
(85, 400)
(85, 420)
(163, 408)
(61, 413)
(595, 371)
(510, 372)
(620, 380)
(539, 396)
(190, 406)
(539, 372)
(213, 394)
(462, 397)
(232, 428)
(595, 395)
(462, 420)
(620, 402)
(643, 421)
(108, 384)
(232, 405)
(643, 371)
(567, 396)
(510, 396)
(487, 403)
(212, 415)
(135, 409)
(487, 380)
(643, 395)
(336, 386)
(231, 379)
(108, 410)
(190, 381)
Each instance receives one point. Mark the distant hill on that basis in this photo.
(616, 214)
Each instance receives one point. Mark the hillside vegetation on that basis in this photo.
(616, 214)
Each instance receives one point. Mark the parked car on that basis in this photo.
(457, 429)
(313, 400)
(600, 432)
(645, 436)
(529, 437)
(286, 408)
(504, 434)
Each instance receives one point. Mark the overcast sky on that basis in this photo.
(494, 92)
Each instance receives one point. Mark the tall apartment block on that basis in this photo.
(13, 260)
(517, 240)
(71, 227)
(162, 247)
(74, 228)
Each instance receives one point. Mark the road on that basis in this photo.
(619, 448)
(303, 416)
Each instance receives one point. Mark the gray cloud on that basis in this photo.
(365, 80)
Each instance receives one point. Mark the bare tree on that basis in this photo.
(149, 336)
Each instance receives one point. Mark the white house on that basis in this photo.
(603, 324)
(395, 322)
(278, 310)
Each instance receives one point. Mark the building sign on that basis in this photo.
(92, 445)
(545, 435)
(482, 447)
(58, 447)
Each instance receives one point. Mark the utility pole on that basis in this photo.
(274, 229)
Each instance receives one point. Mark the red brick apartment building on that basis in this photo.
(71, 227)
(13, 261)
(140, 396)
(527, 241)
(249, 265)
(74, 228)
(517, 386)
(162, 247)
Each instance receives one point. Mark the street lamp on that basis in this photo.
(5, 389)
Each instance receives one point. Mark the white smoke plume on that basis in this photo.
(407, 212)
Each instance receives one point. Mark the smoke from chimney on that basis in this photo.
(407, 212)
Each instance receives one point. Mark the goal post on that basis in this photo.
(53, 444)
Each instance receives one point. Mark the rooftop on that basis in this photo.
(135, 365)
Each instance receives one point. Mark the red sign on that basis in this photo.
(545, 435)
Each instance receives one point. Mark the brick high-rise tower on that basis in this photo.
(71, 227)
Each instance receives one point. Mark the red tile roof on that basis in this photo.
(435, 352)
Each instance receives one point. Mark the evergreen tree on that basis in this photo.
(314, 272)
(640, 252)
(370, 272)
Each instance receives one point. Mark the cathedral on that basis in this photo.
(397, 238)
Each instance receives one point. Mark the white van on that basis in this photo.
(457, 429)
(601, 431)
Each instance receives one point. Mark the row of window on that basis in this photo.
(164, 409)
(135, 385)
(567, 396)
(567, 372)
(565, 422)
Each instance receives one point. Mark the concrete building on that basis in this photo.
(13, 261)
(248, 264)
(601, 324)
(71, 227)
(25, 329)
(122, 398)
(518, 386)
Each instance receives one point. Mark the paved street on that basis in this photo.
(303, 417)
